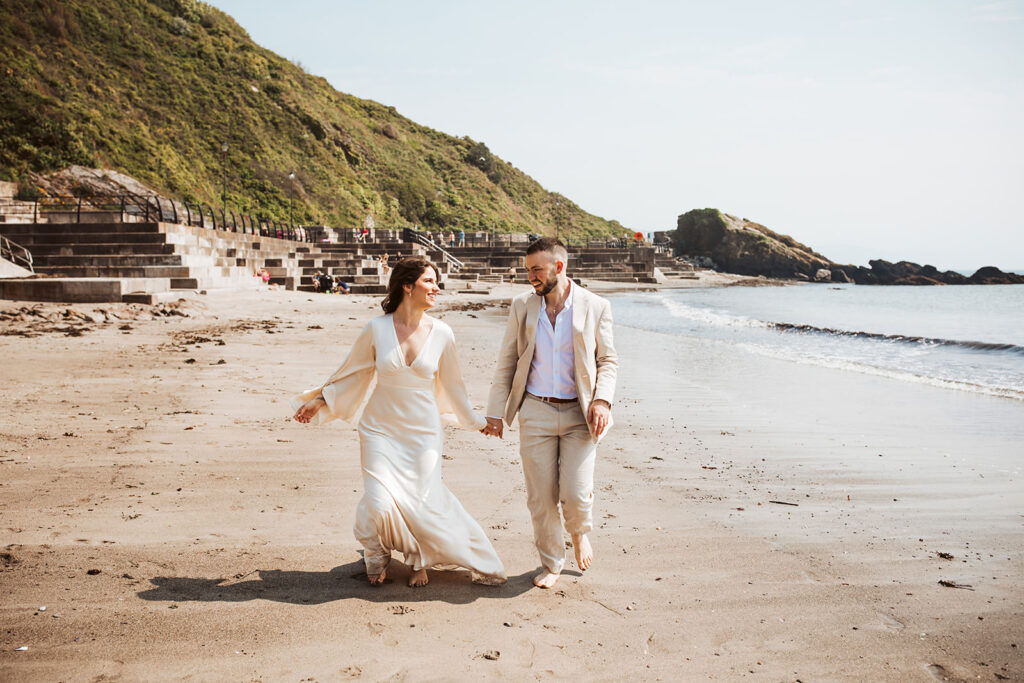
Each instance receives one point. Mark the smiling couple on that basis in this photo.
(556, 369)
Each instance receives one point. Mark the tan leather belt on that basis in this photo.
(552, 399)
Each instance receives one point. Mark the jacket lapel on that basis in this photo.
(580, 304)
(532, 316)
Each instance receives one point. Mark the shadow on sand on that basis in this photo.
(341, 583)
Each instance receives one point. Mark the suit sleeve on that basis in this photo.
(346, 390)
(606, 359)
(450, 389)
(505, 365)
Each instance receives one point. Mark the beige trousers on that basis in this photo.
(558, 464)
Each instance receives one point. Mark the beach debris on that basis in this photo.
(708, 467)
(945, 556)
(492, 655)
(507, 623)
(782, 502)
(42, 609)
(401, 609)
(93, 572)
(189, 361)
(954, 584)
(23, 648)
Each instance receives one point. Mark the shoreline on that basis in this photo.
(221, 529)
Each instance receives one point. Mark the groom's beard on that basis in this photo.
(546, 289)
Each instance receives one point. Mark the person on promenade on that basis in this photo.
(462, 238)
(556, 368)
(451, 239)
(405, 506)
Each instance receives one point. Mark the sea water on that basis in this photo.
(965, 337)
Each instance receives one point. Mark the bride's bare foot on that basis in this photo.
(418, 578)
(378, 579)
(545, 579)
(584, 553)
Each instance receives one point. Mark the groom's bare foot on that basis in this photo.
(545, 579)
(418, 578)
(584, 553)
(377, 579)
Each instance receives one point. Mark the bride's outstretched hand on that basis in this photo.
(308, 410)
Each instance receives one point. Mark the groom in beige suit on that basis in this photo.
(556, 369)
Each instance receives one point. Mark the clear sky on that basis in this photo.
(865, 129)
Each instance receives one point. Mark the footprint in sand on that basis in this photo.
(939, 672)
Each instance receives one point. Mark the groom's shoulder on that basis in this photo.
(520, 300)
(590, 298)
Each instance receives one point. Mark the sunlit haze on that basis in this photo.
(863, 129)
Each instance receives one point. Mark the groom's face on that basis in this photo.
(542, 269)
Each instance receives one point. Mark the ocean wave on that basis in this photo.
(709, 316)
(721, 319)
(890, 373)
(900, 338)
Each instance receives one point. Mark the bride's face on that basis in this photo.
(423, 293)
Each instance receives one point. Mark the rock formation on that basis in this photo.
(737, 245)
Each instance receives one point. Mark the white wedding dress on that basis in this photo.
(405, 505)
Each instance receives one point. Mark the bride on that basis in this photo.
(405, 505)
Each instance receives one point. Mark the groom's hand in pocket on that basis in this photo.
(495, 427)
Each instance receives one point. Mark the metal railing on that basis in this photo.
(129, 207)
(410, 235)
(16, 254)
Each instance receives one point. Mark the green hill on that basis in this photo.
(152, 88)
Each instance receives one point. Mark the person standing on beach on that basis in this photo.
(556, 368)
(403, 371)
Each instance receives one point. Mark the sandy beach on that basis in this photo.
(756, 517)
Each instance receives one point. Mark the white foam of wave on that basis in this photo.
(709, 316)
(865, 368)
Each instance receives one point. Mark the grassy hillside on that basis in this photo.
(153, 88)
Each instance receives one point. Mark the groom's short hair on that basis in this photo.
(552, 245)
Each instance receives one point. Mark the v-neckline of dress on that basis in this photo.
(401, 353)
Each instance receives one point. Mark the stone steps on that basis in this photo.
(26, 238)
(90, 249)
(43, 261)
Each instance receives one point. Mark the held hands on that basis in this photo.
(494, 427)
(598, 416)
(309, 409)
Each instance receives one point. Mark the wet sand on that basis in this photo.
(157, 500)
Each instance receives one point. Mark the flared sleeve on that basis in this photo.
(346, 390)
(452, 399)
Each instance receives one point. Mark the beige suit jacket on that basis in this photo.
(596, 362)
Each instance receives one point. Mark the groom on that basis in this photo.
(556, 368)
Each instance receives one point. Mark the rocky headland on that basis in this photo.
(738, 245)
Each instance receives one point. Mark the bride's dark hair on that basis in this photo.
(406, 272)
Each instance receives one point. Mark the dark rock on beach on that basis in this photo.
(883, 272)
(737, 245)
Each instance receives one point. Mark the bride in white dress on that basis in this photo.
(405, 505)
